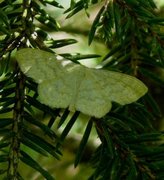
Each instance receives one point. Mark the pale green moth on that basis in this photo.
(77, 87)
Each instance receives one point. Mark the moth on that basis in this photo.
(76, 87)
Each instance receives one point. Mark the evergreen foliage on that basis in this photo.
(131, 145)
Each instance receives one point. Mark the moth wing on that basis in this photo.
(38, 65)
(98, 88)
